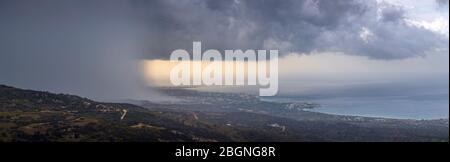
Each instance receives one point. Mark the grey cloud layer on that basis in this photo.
(442, 2)
(87, 47)
(80, 47)
(301, 26)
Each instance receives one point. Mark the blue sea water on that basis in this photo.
(386, 107)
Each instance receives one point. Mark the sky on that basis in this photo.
(93, 48)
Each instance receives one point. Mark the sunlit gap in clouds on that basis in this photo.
(309, 73)
(157, 72)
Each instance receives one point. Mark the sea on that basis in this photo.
(398, 107)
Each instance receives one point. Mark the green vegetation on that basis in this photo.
(27, 115)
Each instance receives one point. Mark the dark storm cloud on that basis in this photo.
(87, 47)
(442, 2)
(243, 24)
(301, 26)
(392, 14)
(80, 47)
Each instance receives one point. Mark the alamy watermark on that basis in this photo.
(250, 67)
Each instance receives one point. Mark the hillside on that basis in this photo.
(41, 116)
(27, 115)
